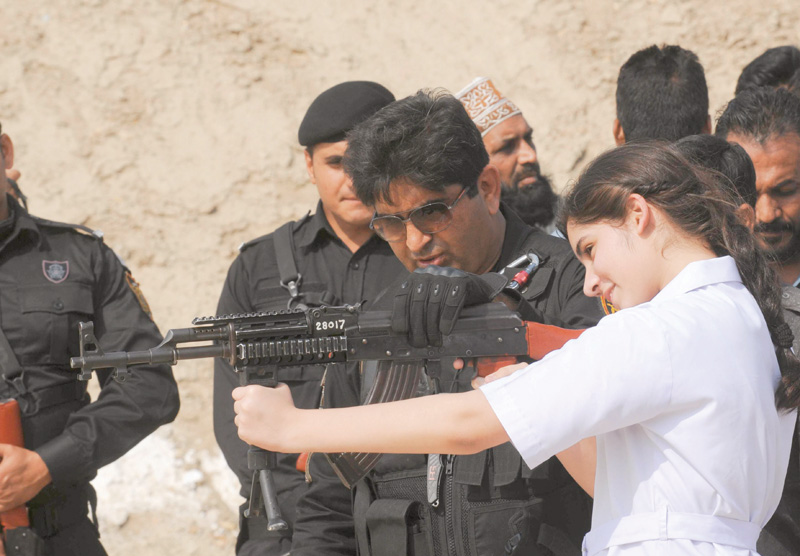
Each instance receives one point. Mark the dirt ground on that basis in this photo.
(171, 125)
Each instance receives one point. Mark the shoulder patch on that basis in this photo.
(137, 291)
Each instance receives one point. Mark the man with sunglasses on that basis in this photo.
(421, 164)
(328, 258)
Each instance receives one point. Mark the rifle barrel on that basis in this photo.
(161, 354)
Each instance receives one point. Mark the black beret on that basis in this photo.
(339, 109)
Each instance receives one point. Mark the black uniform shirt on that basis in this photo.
(51, 277)
(325, 523)
(253, 284)
(555, 290)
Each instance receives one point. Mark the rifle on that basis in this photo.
(15, 528)
(486, 337)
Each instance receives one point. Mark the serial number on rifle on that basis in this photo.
(337, 324)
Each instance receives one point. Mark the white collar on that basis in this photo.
(699, 274)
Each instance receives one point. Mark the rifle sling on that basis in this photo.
(10, 369)
(284, 254)
(9, 365)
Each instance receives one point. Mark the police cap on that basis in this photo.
(339, 109)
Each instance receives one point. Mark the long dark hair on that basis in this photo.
(691, 197)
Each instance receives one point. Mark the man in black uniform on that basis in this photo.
(422, 165)
(52, 276)
(331, 257)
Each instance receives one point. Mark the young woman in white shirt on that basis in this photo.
(689, 389)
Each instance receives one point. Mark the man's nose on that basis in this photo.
(527, 154)
(767, 209)
(415, 240)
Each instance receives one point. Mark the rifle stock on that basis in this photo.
(486, 337)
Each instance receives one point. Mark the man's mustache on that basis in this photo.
(774, 227)
(528, 171)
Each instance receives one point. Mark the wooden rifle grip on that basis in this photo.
(544, 338)
(11, 433)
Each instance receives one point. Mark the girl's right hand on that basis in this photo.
(264, 416)
(500, 373)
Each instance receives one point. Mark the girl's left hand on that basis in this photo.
(263, 415)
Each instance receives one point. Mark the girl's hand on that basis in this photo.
(264, 415)
(500, 373)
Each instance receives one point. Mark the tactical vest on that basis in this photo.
(488, 503)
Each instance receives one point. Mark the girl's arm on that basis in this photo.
(442, 424)
(580, 461)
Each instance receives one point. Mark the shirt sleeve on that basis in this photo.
(614, 375)
(124, 413)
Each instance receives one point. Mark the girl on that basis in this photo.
(679, 387)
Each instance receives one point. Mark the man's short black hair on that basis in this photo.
(427, 139)
(773, 68)
(662, 94)
(761, 114)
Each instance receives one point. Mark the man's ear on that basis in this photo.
(747, 215)
(619, 134)
(8, 151)
(707, 126)
(310, 166)
(489, 187)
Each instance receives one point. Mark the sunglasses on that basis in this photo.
(428, 219)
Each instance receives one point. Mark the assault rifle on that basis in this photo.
(485, 337)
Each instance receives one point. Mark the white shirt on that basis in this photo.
(680, 394)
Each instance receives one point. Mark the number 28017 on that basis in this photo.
(337, 324)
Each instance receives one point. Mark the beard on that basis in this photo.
(787, 253)
(536, 204)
